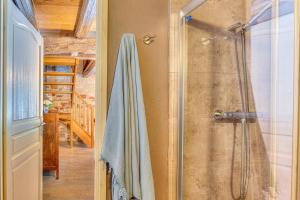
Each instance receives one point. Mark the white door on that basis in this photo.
(22, 102)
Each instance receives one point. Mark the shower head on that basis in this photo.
(235, 27)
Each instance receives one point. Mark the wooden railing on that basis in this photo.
(82, 120)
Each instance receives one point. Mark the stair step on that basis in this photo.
(58, 83)
(82, 134)
(62, 100)
(57, 92)
(60, 61)
(64, 116)
(59, 74)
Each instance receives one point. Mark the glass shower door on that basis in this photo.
(238, 101)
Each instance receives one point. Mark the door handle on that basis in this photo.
(42, 128)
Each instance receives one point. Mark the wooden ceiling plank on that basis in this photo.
(56, 17)
(58, 2)
(86, 18)
(88, 68)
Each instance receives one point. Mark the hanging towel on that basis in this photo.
(126, 146)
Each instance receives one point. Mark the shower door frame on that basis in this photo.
(182, 64)
(182, 69)
(296, 128)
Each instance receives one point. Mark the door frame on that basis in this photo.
(1, 99)
(101, 96)
(296, 127)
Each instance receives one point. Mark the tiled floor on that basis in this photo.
(76, 180)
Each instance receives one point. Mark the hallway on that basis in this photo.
(76, 180)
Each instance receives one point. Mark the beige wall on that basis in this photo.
(143, 17)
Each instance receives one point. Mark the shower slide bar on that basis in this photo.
(234, 117)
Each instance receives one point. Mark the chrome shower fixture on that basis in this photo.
(234, 116)
(235, 27)
(238, 27)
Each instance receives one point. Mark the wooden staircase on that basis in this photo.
(55, 87)
(80, 116)
(83, 120)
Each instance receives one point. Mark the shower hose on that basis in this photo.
(245, 144)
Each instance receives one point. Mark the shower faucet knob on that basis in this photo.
(218, 115)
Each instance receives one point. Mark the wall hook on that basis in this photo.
(148, 39)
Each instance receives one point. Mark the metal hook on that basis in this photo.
(149, 39)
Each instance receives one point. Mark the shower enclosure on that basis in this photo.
(238, 100)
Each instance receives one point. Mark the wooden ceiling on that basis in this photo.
(58, 15)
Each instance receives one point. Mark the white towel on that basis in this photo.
(126, 146)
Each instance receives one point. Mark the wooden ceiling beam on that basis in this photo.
(87, 15)
(27, 8)
(88, 67)
(56, 45)
(58, 2)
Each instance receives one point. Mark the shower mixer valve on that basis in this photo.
(234, 117)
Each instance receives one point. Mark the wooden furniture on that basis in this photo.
(51, 143)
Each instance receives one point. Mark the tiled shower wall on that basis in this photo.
(212, 151)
